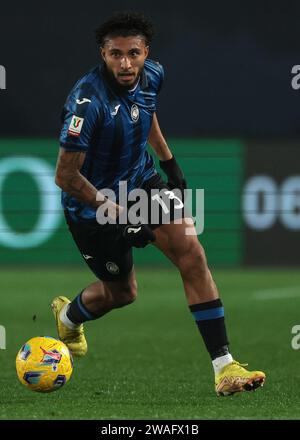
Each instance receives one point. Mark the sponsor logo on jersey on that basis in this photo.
(82, 101)
(134, 230)
(115, 110)
(86, 257)
(75, 126)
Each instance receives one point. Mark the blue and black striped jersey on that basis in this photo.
(112, 126)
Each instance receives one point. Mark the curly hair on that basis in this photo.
(125, 24)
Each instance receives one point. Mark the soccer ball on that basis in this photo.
(44, 364)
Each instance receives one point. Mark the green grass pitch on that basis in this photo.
(147, 360)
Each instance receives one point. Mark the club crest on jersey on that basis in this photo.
(75, 126)
(135, 113)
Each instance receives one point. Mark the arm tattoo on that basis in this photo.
(74, 182)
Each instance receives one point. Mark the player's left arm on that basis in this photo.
(167, 160)
(158, 142)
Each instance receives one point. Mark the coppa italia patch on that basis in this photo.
(75, 126)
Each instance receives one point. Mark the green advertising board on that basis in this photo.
(32, 227)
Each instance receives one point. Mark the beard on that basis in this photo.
(113, 80)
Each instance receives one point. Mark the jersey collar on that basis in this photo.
(144, 80)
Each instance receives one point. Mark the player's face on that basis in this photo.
(124, 58)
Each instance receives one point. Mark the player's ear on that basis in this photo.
(146, 51)
(102, 53)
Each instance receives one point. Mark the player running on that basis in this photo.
(108, 118)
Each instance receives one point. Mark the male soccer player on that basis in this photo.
(108, 118)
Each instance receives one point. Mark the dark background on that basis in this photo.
(227, 64)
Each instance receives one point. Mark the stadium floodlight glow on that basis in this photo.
(50, 209)
(2, 78)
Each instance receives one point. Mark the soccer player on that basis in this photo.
(108, 118)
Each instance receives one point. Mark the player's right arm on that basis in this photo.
(80, 117)
(69, 179)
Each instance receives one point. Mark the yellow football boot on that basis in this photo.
(234, 378)
(73, 338)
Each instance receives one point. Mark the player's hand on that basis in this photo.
(114, 210)
(109, 208)
(137, 235)
(175, 175)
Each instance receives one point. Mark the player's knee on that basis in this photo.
(131, 293)
(128, 293)
(192, 262)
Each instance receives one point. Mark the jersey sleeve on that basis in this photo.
(80, 117)
(161, 73)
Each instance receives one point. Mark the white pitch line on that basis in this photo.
(277, 293)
